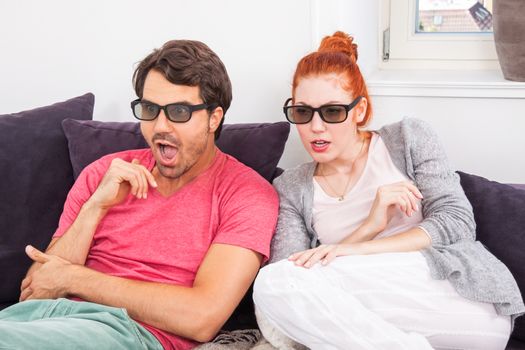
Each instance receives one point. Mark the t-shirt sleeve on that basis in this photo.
(85, 185)
(248, 214)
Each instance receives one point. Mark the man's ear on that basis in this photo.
(360, 110)
(215, 119)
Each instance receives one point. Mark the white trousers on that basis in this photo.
(382, 301)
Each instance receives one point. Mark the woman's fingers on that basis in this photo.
(305, 256)
(329, 257)
(415, 190)
(319, 254)
(403, 194)
(298, 255)
(413, 201)
(323, 254)
(308, 258)
(405, 185)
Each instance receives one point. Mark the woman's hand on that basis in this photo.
(324, 253)
(402, 195)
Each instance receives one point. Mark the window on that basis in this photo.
(453, 16)
(434, 34)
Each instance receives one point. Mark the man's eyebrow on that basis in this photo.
(183, 102)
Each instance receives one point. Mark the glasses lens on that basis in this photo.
(299, 114)
(146, 111)
(333, 114)
(179, 113)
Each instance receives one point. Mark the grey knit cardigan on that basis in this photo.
(454, 254)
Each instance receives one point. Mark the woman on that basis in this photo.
(375, 244)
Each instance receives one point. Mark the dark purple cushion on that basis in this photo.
(259, 146)
(500, 225)
(36, 176)
(518, 186)
(515, 344)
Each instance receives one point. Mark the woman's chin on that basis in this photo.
(320, 158)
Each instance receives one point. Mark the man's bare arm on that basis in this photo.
(120, 179)
(75, 243)
(196, 312)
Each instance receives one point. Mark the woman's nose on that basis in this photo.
(317, 124)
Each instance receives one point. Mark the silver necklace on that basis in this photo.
(341, 197)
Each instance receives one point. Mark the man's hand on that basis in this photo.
(121, 178)
(50, 281)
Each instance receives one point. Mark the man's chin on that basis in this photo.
(170, 172)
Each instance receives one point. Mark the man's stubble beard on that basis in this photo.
(194, 152)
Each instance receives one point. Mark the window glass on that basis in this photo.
(453, 16)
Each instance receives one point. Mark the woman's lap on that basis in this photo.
(396, 288)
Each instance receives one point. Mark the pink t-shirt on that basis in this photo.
(161, 239)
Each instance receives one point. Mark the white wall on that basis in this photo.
(481, 136)
(55, 49)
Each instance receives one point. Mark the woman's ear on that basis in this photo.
(215, 119)
(360, 110)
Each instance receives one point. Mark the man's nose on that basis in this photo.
(162, 123)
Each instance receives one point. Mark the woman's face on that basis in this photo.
(327, 142)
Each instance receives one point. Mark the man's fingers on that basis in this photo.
(25, 283)
(145, 185)
(26, 293)
(36, 255)
(151, 179)
(146, 178)
(149, 176)
(142, 191)
(132, 176)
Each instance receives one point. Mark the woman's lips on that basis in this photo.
(319, 145)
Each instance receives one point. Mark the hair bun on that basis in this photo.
(339, 42)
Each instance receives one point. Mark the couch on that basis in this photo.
(43, 150)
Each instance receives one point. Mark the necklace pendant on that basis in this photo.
(342, 198)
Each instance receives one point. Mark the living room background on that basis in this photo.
(58, 49)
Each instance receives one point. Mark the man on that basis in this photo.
(172, 235)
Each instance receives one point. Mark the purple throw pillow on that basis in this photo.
(500, 225)
(258, 145)
(36, 176)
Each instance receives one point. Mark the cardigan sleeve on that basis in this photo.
(447, 213)
(291, 233)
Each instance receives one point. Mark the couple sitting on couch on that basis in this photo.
(156, 247)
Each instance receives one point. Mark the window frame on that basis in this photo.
(403, 48)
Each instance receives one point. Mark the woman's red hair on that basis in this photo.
(336, 54)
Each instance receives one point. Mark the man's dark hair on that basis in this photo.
(191, 63)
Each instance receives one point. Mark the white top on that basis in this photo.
(334, 220)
